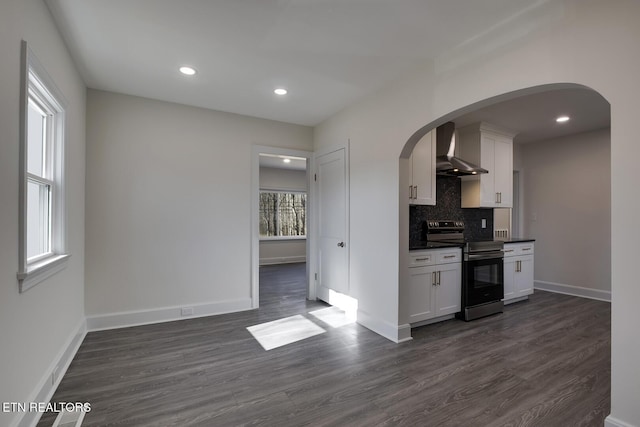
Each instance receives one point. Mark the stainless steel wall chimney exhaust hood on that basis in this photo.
(446, 162)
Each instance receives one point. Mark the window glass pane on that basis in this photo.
(283, 214)
(35, 139)
(38, 219)
(292, 214)
(268, 213)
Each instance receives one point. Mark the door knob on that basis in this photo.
(341, 244)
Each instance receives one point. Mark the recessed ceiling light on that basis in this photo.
(286, 160)
(280, 91)
(562, 119)
(189, 71)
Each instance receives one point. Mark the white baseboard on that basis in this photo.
(46, 387)
(165, 314)
(283, 260)
(378, 326)
(614, 422)
(512, 300)
(434, 320)
(404, 333)
(577, 291)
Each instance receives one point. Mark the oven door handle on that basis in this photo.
(485, 255)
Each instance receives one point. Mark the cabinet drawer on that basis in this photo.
(525, 249)
(517, 249)
(510, 250)
(421, 258)
(449, 256)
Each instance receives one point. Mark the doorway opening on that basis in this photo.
(280, 215)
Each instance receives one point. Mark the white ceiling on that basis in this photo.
(532, 117)
(327, 53)
(277, 161)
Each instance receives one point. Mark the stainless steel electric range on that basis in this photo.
(482, 269)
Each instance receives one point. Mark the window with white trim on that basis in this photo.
(42, 210)
(283, 214)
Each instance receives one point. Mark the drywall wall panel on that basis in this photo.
(568, 199)
(168, 203)
(38, 325)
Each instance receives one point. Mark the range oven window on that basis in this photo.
(483, 281)
(486, 275)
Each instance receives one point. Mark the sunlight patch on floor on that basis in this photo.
(285, 331)
(333, 316)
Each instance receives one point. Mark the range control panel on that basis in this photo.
(445, 225)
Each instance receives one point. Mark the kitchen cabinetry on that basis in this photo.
(518, 271)
(422, 171)
(434, 288)
(492, 149)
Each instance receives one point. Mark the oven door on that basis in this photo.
(482, 279)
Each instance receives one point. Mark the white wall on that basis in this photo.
(282, 251)
(283, 179)
(567, 194)
(502, 219)
(587, 42)
(36, 327)
(168, 207)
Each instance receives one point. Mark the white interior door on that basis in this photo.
(333, 261)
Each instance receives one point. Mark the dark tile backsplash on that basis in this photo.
(448, 194)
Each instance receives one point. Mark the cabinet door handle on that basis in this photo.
(410, 192)
(438, 278)
(497, 200)
(422, 259)
(508, 250)
(433, 278)
(526, 249)
(415, 191)
(519, 266)
(449, 256)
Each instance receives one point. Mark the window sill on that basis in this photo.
(278, 238)
(38, 271)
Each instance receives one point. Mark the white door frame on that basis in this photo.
(255, 217)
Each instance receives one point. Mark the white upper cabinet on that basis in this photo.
(422, 171)
(492, 149)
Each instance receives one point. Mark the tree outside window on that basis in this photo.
(283, 214)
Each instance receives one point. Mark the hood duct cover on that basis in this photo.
(446, 162)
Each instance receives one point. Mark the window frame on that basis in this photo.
(282, 191)
(37, 84)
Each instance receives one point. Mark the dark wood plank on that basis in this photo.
(544, 362)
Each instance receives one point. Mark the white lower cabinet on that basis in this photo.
(435, 283)
(421, 284)
(518, 270)
(448, 290)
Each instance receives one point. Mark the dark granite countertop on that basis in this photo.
(420, 246)
(518, 240)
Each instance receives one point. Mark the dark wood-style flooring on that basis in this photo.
(544, 362)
